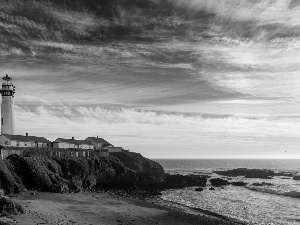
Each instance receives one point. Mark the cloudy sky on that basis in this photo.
(210, 79)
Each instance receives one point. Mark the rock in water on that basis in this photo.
(253, 173)
(181, 181)
(199, 189)
(262, 184)
(297, 177)
(217, 182)
(238, 183)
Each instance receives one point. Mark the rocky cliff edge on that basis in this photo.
(120, 171)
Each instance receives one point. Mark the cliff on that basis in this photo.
(150, 172)
(19, 173)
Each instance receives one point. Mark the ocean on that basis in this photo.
(276, 204)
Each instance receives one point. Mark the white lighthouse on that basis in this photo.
(7, 107)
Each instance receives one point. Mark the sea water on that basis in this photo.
(276, 204)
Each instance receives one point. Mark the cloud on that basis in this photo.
(160, 125)
(260, 21)
(277, 11)
(236, 61)
(166, 135)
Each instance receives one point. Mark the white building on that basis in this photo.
(98, 143)
(72, 143)
(7, 107)
(23, 141)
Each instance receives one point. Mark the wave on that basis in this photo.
(200, 211)
(293, 194)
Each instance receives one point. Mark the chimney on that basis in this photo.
(26, 134)
(72, 138)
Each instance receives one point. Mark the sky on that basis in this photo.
(214, 79)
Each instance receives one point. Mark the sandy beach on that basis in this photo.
(89, 208)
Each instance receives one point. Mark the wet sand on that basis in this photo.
(87, 208)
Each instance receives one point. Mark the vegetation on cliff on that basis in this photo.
(147, 169)
(73, 174)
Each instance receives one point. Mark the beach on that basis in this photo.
(89, 208)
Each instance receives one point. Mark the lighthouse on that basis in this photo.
(7, 107)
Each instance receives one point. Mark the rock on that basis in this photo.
(212, 189)
(199, 189)
(136, 162)
(238, 183)
(60, 175)
(181, 181)
(8, 207)
(60, 188)
(1, 193)
(142, 172)
(297, 177)
(262, 184)
(253, 173)
(258, 176)
(75, 184)
(218, 182)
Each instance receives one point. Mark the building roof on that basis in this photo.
(74, 141)
(26, 138)
(99, 141)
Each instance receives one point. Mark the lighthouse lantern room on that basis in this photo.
(7, 107)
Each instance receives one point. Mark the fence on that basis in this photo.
(51, 152)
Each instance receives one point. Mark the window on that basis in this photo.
(6, 143)
(2, 121)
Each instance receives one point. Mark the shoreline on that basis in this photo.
(157, 200)
(200, 212)
(88, 208)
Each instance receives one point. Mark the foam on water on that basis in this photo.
(295, 194)
(274, 203)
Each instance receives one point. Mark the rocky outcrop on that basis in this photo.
(137, 162)
(181, 181)
(123, 170)
(217, 182)
(296, 177)
(149, 173)
(199, 189)
(63, 175)
(262, 184)
(8, 207)
(253, 173)
(238, 183)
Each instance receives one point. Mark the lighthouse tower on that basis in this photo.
(7, 107)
